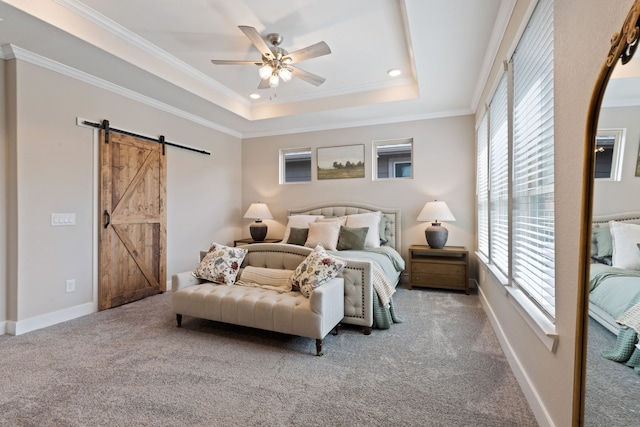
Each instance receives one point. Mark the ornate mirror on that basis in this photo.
(607, 387)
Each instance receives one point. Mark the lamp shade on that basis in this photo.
(436, 211)
(258, 211)
(258, 229)
(435, 234)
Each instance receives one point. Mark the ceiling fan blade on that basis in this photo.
(313, 51)
(264, 84)
(233, 62)
(307, 76)
(257, 40)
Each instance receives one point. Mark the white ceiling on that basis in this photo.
(159, 51)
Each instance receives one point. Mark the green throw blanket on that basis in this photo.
(625, 350)
(384, 317)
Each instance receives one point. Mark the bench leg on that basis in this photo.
(179, 320)
(336, 330)
(367, 330)
(318, 347)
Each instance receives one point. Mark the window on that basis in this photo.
(609, 149)
(295, 165)
(499, 178)
(482, 187)
(393, 159)
(520, 169)
(533, 146)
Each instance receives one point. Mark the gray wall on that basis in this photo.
(620, 196)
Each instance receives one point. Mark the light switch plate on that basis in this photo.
(62, 219)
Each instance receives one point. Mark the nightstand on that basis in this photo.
(250, 241)
(446, 268)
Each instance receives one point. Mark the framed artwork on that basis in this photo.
(346, 161)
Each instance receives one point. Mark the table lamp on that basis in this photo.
(258, 229)
(436, 234)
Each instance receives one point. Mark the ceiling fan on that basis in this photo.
(276, 62)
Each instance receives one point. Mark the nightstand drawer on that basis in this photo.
(437, 280)
(445, 268)
(438, 268)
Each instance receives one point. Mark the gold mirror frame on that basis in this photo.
(623, 46)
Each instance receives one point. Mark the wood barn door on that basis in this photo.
(132, 239)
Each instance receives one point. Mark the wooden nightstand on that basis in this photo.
(446, 268)
(250, 241)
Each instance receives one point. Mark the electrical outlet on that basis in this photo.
(71, 285)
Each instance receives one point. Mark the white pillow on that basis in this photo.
(371, 220)
(323, 233)
(299, 221)
(341, 219)
(625, 238)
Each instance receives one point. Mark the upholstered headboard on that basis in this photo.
(392, 232)
(597, 252)
(631, 217)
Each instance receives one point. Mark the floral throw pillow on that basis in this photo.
(221, 264)
(317, 269)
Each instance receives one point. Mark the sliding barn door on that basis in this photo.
(132, 241)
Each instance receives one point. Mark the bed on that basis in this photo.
(614, 282)
(372, 273)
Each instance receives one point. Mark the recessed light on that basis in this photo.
(394, 72)
(254, 96)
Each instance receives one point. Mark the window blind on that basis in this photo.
(499, 178)
(533, 161)
(482, 181)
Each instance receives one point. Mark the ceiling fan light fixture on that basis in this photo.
(274, 80)
(285, 74)
(276, 62)
(265, 71)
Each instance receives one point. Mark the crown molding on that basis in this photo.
(362, 123)
(15, 52)
(148, 47)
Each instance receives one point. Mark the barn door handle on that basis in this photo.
(108, 219)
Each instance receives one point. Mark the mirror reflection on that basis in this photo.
(612, 396)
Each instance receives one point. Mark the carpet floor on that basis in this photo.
(612, 395)
(131, 366)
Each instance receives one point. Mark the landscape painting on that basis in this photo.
(341, 162)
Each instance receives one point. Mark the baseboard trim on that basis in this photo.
(49, 319)
(530, 393)
(3, 327)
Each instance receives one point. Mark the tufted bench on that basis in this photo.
(289, 312)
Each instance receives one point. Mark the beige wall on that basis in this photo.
(4, 175)
(614, 196)
(443, 169)
(582, 34)
(56, 172)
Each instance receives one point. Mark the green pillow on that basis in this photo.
(351, 238)
(602, 237)
(298, 236)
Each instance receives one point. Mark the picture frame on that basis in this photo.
(340, 162)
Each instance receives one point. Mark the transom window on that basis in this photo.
(609, 149)
(295, 165)
(393, 159)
